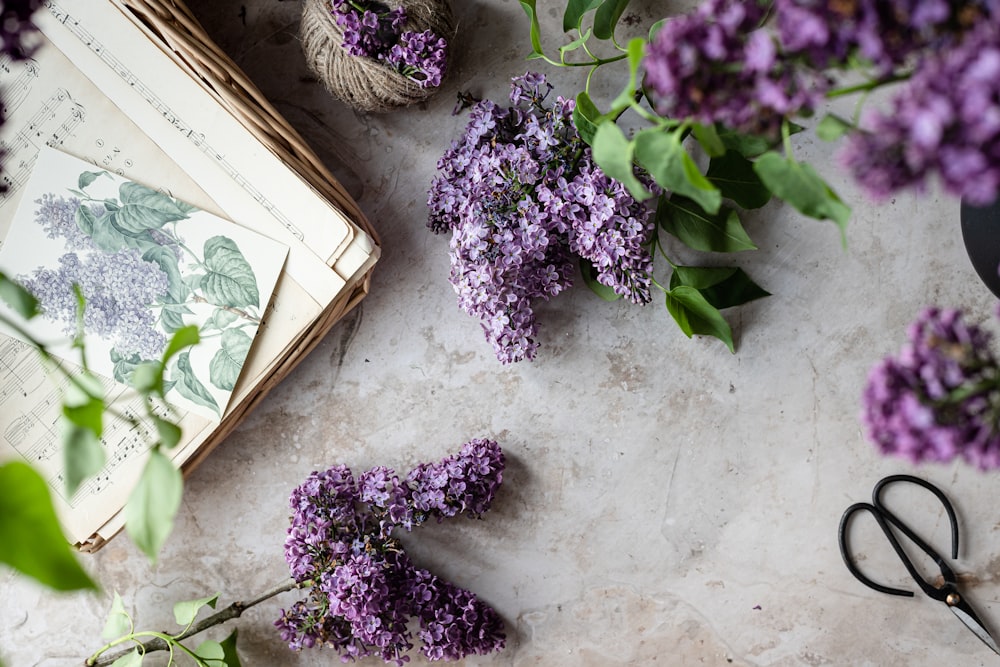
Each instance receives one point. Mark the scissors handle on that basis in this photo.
(885, 518)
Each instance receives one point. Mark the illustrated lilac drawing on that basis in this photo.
(363, 588)
(140, 282)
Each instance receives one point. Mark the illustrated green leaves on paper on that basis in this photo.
(177, 267)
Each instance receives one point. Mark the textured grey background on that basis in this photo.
(665, 501)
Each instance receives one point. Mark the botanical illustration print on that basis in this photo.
(146, 264)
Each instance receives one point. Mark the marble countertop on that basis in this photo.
(665, 502)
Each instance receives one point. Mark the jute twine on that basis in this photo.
(365, 83)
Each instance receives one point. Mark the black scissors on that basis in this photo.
(946, 592)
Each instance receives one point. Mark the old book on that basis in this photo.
(137, 90)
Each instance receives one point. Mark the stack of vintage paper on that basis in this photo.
(121, 150)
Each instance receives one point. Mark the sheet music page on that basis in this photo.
(49, 101)
(253, 187)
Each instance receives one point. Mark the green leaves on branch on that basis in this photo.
(120, 630)
(33, 541)
(697, 294)
(701, 230)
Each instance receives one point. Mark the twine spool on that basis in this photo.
(365, 83)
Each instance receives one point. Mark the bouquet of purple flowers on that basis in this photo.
(363, 588)
(939, 398)
(373, 30)
(524, 203)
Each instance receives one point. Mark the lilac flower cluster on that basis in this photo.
(946, 122)
(363, 588)
(719, 65)
(118, 289)
(57, 216)
(373, 31)
(16, 26)
(524, 201)
(885, 33)
(940, 397)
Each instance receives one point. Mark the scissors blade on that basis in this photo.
(968, 617)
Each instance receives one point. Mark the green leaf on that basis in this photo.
(586, 117)
(229, 647)
(613, 153)
(18, 298)
(573, 46)
(106, 235)
(535, 31)
(83, 454)
(747, 145)
(607, 17)
(709, 139)
(165, 258)
(736, 179)
(169, 432)
(696, 316)
(227, 364)
(185, 612)
(119, 623)
(171, 319)
(88, 177)
(590, 280)
(182, 338)
(87, 413)
(150, 511)
(220, 319)
(147, 377)
(575, 10)
(833, 127)
(626, 98)
(130, 659)
(663, 156)
(800, 185)
(188, 384)
(212, 653)
(722, 287)
(144, 209)
(125, 366)
(698, 229)
(655, 28)
(230, 280)
(33, 541)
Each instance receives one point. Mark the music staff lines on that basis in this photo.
(154, 100)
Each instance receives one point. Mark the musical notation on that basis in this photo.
(181, 125)
(52, 122)
(16, 87)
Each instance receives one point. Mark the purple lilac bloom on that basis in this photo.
(421, 56)
(719, 65)
(939, 398)
(362, 587)
(119, 289)
(944, 122)
(16, 26)
(466, 482)
(57, 216)
(885, 33)
(372, 31)
(454, 623)
(523, 200)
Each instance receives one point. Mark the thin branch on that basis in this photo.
(235, 610)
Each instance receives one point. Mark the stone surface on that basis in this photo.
(666, 502)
